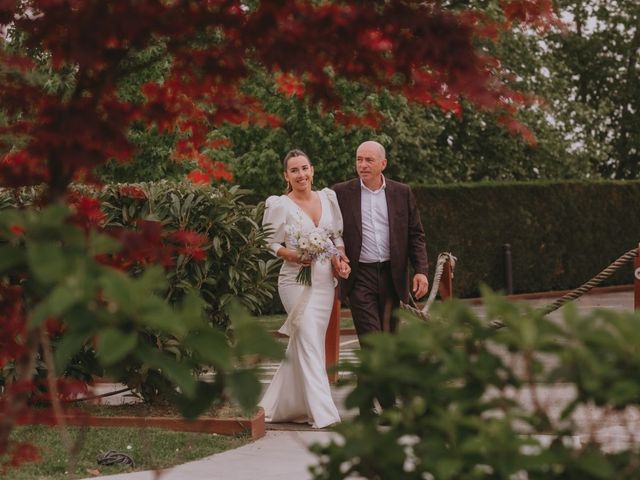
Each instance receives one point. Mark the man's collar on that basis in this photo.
(382, 187)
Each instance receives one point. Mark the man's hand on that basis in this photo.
(420, 285)
(341, 266)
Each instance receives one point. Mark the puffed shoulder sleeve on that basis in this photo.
(274, 221)
(336, 214)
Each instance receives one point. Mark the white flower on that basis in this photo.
(316, 239)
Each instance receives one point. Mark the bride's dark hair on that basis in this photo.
(285, 163)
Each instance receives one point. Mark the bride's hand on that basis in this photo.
(292, 256)
(341, 266)
(345, 269)
(303, 260)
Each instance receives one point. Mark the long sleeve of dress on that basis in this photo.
(274, 220)
(337, 224)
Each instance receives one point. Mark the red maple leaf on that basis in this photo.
(209, 171)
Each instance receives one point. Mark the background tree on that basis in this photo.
(425, 143)
(596, 57)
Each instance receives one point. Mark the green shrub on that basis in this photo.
(464, 401)
(561, 233)
(236, 266)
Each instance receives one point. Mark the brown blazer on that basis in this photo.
(406, 242)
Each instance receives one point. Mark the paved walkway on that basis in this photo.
(283, 454)
(278, 456)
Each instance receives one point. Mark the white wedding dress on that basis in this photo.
(300, 389)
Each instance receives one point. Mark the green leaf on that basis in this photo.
(52, 217)
(56, 304)
(10, 257)
(117, 288)
(206, 394)
(47, 261)
(113, 345)
(178, 372)
(212, 347)
(216, 246)
(245, 388)
(595, 465)
(191, 310)
(153, 278)
(100, 244)
(251, 337)
(69, 345)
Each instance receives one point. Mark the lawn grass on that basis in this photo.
(150, 448)
(274, 322)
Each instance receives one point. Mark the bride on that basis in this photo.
(300, 389)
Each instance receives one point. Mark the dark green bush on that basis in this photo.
(561, 233)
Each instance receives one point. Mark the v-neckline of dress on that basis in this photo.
(306, 213)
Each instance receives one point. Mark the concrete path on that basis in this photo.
(280, 455)
(283, 454)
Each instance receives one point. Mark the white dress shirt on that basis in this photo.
(375, 224)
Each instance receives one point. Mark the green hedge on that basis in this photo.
(561, 233)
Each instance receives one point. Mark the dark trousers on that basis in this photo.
(373, 299)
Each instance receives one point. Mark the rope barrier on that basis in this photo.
(423, 313)
(581, 290)
(546, 310)
(584, 288)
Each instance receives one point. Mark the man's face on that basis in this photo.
(369, 163)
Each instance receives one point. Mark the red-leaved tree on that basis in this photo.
(428, 52)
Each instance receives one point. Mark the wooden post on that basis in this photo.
(636, 281)
(332, 339)
(446, 281)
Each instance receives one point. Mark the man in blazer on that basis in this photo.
(382, 233)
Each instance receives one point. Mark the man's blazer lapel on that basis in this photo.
(392, 206)
(356, 206)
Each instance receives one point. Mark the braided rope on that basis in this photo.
(424, 312)
(581, 290)
(585, 287)
(572, 295)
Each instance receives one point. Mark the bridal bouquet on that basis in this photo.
(315, 244)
